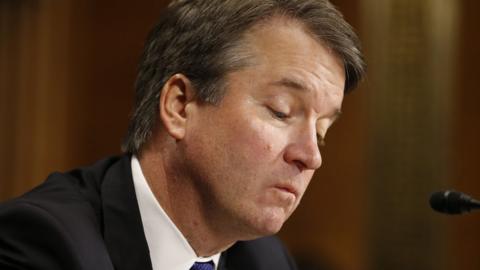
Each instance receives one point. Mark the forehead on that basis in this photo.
(284, 50)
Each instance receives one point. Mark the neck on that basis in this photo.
(182, 201)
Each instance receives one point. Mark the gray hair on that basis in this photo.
(202, 39)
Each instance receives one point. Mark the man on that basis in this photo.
(233, 98)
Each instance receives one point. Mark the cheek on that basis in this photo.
(257, 141)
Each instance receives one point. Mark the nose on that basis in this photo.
(303, 151)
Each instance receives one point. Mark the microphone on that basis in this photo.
(452, 202)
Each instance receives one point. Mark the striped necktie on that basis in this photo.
(203, 266)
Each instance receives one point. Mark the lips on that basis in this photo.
(288, 188)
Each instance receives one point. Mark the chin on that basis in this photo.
(267, 223)
(272, 228)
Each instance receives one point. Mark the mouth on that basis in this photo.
(288, 189)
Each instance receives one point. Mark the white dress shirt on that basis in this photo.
(168, 247)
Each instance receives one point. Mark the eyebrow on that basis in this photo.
(292, 83)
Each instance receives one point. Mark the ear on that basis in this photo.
(176, 93)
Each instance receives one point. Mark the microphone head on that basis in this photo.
(450, 202)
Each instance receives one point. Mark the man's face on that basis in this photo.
(253, 155)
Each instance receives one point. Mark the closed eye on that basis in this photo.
(279, 115)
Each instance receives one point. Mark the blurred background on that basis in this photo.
(67, 70)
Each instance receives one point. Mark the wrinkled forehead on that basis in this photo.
(284, 44)
(277, 35)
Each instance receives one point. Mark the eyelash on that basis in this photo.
(279, 115)
(283, 116)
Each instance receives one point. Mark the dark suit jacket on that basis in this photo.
(89, 219)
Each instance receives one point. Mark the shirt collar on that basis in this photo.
(168, 247)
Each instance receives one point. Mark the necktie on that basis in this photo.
(202, 266)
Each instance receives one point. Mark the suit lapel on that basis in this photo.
(222, 263)
(123, 229)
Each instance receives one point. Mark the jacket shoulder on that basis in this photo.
(57, 225)
(34, 237)
(261, 254)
